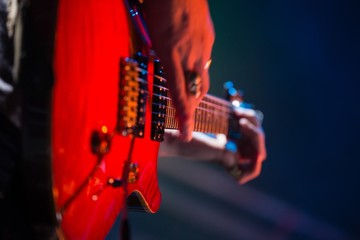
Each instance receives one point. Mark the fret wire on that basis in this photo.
(173, 114)
(202, 103)
(221, 123)
(213, 118)
(197, 112)
(168, 111)
(199, 118)
(220, 101)
(223, 102)
(208, 99)
(224, 108)
(202, 118)
(167, 117)
(174, 126)
(216, 123)
(196, 120)
(203, 109)
(208, 120)
(174, 120)
(205, 119)
(209, 117)
(206, 108)
(202, 113)
(209, 114)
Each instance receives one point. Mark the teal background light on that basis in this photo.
(298, 62)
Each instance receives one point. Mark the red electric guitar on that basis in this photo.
(108, 110)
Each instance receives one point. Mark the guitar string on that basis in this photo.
(213, 112)
(219, 108)
(225, 109)
(224, 102)
(217, 114)
(199, 108)
(204, 100)
(206, 120)
(164, 79)
(139, 69)
(215, 99)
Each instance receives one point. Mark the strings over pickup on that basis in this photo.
(159, 104)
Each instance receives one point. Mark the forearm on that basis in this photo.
(202, 146)
(243, 158)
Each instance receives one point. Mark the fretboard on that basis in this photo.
(211, 116)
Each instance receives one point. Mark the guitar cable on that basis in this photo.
(125, 231)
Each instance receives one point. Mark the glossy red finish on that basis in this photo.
(91, 37)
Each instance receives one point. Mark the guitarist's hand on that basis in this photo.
(250, 154)
(251, 146)
(183, 35)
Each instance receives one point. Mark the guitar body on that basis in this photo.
(91, 38)
(93, 117)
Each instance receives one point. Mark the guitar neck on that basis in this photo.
(211, 116)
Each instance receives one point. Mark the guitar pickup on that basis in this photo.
(159, 104)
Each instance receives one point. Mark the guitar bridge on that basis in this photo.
(132, 96)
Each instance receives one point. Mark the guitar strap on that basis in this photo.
(8, 134)
(36, 77)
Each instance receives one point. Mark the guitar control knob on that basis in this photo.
(133, 172)
(115, 182)
(100, 141)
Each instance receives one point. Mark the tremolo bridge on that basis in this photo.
(134, 95)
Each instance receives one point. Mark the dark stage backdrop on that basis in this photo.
(297, 61)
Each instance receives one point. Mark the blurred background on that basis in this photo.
(298, 62)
